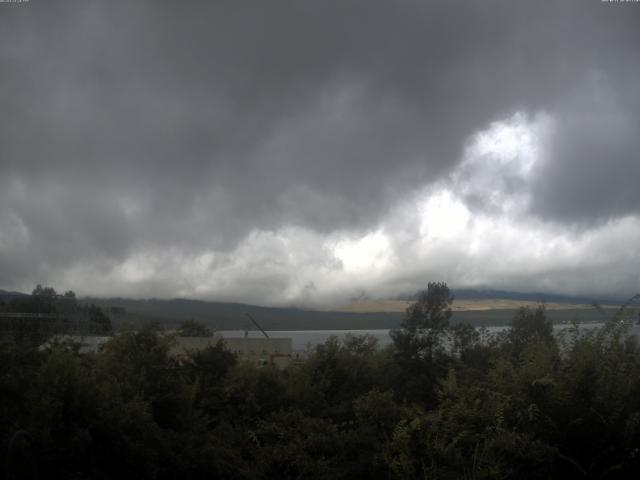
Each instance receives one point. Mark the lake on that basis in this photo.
(303, 339)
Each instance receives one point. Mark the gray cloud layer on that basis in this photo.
(186, 126)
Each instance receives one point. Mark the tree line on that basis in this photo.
(36, 317)
(442, 402)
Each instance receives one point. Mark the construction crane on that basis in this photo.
(257, 325)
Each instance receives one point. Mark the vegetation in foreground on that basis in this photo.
(441, 402)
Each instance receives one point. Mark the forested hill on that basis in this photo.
(6, 295)
(490, 294)
(232, 316)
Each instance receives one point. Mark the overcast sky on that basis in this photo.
(304, 152)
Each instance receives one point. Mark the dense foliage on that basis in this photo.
(35, 318)
(441, 402)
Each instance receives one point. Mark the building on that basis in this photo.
(261, 351)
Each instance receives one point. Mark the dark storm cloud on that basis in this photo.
(594, 159)
(190, 124)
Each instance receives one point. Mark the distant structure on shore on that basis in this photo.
(271, 351)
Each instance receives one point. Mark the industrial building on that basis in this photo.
(261, 351)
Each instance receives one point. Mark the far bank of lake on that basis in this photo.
(304, 339)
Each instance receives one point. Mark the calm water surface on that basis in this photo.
(304, 339)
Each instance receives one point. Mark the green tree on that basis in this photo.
(208, 369)
(431, 311)
(99, 322)
(191, 328)
(420, 342)
(530, 326)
